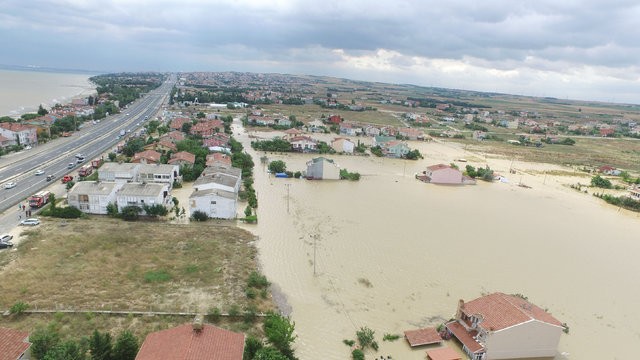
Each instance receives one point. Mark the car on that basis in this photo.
(28, 147)
(79, 155)
(4, 238)
(71, 165)
(81, 159)
(4, 245)
(50, 177)
(30, 222)
(39, 172)
(10, 185)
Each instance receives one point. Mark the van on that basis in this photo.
(71, 165)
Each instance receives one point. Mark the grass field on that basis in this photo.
(104, 264)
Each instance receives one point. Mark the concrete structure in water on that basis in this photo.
(322, 169)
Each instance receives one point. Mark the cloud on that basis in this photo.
(454, 42)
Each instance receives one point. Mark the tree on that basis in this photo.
(155, 210)
(200, 115)
(199, 216)
(42, 111)
(100, 346)
(68, 350)
(279, 331)
(42, 340)
(601, 182)
(186, 127)
(269, 353)
(251, 346)
(126, 346)
(366, 337)
(133, 146)
(130, 213)
(277, 166)
(112, 156)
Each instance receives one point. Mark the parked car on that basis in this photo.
(10, 185)
(5, 245)
(28, 147)
(39, 172)
(30, 222)
(5, 238)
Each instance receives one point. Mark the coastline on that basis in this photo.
(25, 90)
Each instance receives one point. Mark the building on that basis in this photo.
(159, 173)
(182, 158)
(147, 157)
(22, 134)
(396, 149)
(501, 326)
(92, 197)
(442, 174)
(218, 159)
(141, 194)
(219, 177)
(121, 173)
(343, 145)
(14, 344)
(187, 342)
(216, 203)
(322, 169)
(303, 144)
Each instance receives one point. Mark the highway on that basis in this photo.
(92, 141)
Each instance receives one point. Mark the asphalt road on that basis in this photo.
(93, 140)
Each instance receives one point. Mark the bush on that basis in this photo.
(157, 276)
(69, 212)
(214, 314)
(277, 166)
(18, 308)
(601, 182)
(130, 213)
(257, 280)
(199, 216)
(357, 354)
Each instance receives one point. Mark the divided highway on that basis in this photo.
(92, 141)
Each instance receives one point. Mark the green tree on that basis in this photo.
(42, 111)
(200, 115)
(68, 350)
(130, 213)
(186, 127)
(42, 340)
(357, 354)
(133, 146)
(601, 182)
(112, 156)
(365, 337)
(277, 166)
(251, 346)
(101, 346)
(471, 171)
(126, 346)
(270, 353)
(279, 330)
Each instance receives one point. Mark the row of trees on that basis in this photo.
(47, 344)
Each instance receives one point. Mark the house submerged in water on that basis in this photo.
(444, 174)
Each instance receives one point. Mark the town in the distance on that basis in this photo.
(231, 215)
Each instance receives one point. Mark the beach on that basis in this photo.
(395, 254)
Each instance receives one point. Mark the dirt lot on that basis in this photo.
(103, 264)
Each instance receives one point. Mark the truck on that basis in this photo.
(85, 170)
(40, 199)
(66, 179)
(96, 163)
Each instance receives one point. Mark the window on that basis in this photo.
(213, 202)
(83, 198)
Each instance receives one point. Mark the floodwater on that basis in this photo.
(394, 254)
(24, 91)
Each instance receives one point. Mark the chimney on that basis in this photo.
(198, 323)
(459, 311)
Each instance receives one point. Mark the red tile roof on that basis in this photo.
(13, 343)
(438, 167)
(443, 353)
(424, 336)
(182, 156)
(149, 155)
(500, 311)
(466, 338)
(183, 343)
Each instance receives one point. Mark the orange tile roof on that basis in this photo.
(183, 343)
(13, 343)
(500, 311)
(443, 353)
(466, 338)
(424, 336)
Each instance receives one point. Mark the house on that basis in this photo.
(609, 170)
(206, 129)
(5, 141)
(350, 129)
(92, 197)
(146, 157)
(162, 146)
(121, 173)
(291, 133)
(284, 122)
(216, 203)
(371, 130)
(23, 134)
(334, 119)
(442, 174)
(141, 194)
(396, 149)
(316, 126)
(192, 342)
(219, 177)
(159, 173)
(182, 158)
(322, 169)
(607, 132)
(176, 124)
(411, 133)
(173, 136)
(501, 326)
(634, 193)
(218, 159)
(303, 144)
(14, 344)
(443, 353)
(343, 145)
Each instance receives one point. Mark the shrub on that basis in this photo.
(257, 280)
(18, 308)
(199, 216)
(348, 342)
(215, 313)
(234, 310)
(390, 337)
(357, 354)
(157, 276)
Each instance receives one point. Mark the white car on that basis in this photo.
(39, 172)
(4, 238)
(10, 185)
(28, 147)
(30, 222)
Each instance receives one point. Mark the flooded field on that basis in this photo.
(394, 254)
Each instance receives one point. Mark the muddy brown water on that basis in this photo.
(394, 254)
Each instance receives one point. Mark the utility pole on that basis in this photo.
(288, 187)
(315, 237)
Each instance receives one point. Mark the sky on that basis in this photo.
(568, 49)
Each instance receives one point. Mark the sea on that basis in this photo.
(23, 90)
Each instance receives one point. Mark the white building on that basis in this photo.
(216, 203)
(120, 173)
(322, 169)
(159, 173)
(92, 197)
(141, 194)
(342, 145)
